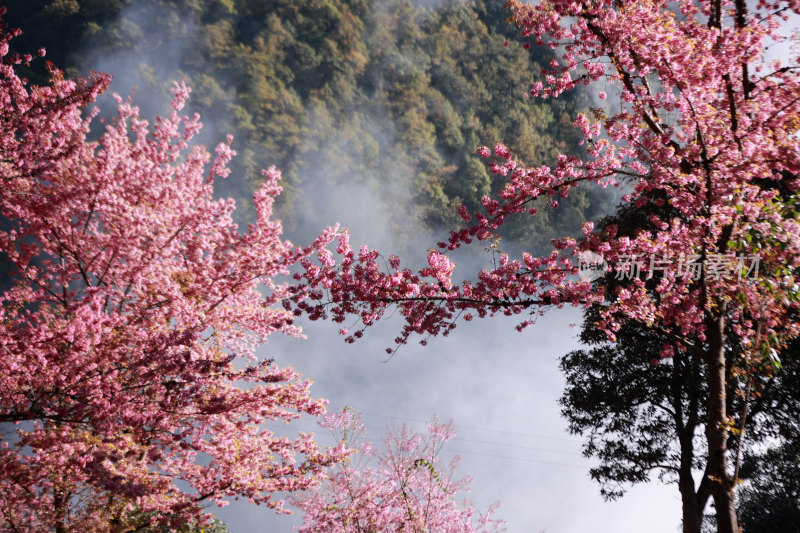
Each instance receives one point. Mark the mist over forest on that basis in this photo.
(673, 389)
(366, 106)
(373, 110)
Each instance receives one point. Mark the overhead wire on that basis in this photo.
(521, 433)
(484, 442)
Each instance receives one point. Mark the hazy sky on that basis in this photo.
(498, 386)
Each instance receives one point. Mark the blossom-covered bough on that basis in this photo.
(130, 316)
(707, 125)
(405, 487)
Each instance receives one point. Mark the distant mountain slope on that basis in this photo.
(379, 96)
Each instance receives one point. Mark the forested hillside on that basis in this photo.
(133, 383)
(386, 96)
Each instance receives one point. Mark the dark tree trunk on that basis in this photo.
(716, 429)
(684, 384)
(692, 514)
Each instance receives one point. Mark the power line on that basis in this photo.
(503, 444)
(496, 456)
(523, 459)
(521, 433)
(506, 445)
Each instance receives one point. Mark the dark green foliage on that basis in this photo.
(630, 410)
(644, 416)
(636, 410)
(769, 502)
(385, 95)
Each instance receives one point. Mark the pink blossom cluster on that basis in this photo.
(715, 138)
(405, 488)
(129, 331)
(706, 140)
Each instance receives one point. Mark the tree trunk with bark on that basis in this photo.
(717, 429)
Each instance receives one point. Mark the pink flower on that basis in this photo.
(501, 150)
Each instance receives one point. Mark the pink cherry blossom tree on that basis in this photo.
(30, 110)
(129, 325)
(405, 488)
(707, 127)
